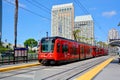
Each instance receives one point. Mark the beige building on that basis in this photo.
(62, 20)
(86, 26)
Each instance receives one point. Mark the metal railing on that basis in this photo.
(9, 59)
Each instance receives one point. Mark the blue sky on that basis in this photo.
(106, 14)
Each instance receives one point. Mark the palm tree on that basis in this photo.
(86, 40)
(83, 38)
(102, 44)
(79, 38)
(75, 34)
(91, 39)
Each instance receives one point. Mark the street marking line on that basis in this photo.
(18, 67)
(93, 72)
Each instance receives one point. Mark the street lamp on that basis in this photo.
(46, 34)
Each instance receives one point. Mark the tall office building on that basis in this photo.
(0, 20)
(86, 26)
(62, 20)
(113, 34)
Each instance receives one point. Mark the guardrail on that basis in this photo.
(4, 59)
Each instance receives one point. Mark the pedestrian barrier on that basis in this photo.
(10, 59)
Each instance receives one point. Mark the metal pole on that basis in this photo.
(46, 34)
(0, 20)
(15, 24)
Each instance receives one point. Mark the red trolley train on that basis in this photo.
(54, 50)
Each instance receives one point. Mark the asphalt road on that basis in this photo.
(62, 72)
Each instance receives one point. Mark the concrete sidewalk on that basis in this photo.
(111, 72)
(4, 68)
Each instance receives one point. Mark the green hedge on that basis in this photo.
(3, 49)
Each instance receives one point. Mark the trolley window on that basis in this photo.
(64, 48)
(74, 50)
(90, 50)
(58, 47)
(47, 46)
(82, 50)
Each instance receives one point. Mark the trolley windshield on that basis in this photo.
(47, 45)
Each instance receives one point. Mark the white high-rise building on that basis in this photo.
(62, 20)
(113, 34)
(86, 26)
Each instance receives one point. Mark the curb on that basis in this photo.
(18, 67)
(93, 72)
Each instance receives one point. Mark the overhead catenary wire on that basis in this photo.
(28, 10)
(38, 5)
(85, 10)
(41, 5)
(81, 6)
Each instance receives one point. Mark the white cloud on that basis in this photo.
(109, 14)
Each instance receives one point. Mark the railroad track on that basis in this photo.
(70, 74)
(61, 72)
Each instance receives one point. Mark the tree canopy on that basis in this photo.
(102, 44)
(30, 43)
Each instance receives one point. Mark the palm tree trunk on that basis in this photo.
(15, 24)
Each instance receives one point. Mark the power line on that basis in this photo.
(81, 6)
(36, 14)
(29, 11)
(87, 12)
(40, 7)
